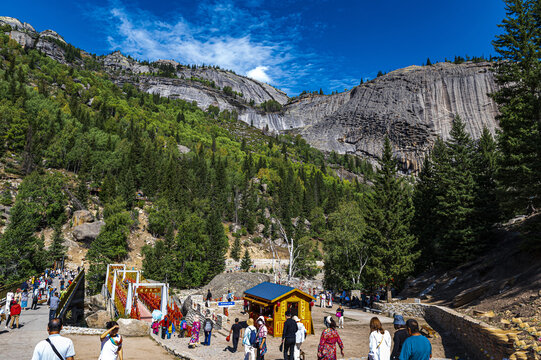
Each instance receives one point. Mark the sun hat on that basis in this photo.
(399, 320)
(261, 319)
(296, 318)
(250, 322)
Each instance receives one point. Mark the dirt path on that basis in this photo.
(354, 336)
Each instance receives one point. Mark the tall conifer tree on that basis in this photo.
(389, 216)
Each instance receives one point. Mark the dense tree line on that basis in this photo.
(123, 145)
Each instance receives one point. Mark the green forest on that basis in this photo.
(71, 132)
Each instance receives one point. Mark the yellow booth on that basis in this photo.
(272, 301)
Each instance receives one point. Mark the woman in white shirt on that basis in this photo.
(111, 343)
(380, 341)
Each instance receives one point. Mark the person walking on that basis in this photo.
(327, 343)
(340, 316)
(111, 343)
(15, 312)
(400, 335)
(235, 331)
(196, 327)
(262, 333)
(379, 341)
(53, 305)
(209, 298)
(24, 299)
(322, 299)
(207, 327)
(249, 340)
(182, 328)
(300, 336)
(289, 337)
(416, 346)
(35, 297)
(55, 347)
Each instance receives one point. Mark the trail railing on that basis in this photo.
(67, 298)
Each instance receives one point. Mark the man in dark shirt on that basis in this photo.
(400, 335)
(288, 336)
(235, 330)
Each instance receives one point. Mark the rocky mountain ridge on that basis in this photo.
(413, 106)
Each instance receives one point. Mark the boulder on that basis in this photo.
(98, 319)
(238, 283)
(87, 231)
(94, 303)
(133, 327)
(183, 149)
(81, 217)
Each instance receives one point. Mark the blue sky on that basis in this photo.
(294, 45)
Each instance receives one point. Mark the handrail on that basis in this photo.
(68, 295)
(8, 288)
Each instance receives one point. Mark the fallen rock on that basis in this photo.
(87, 231)
(81, 217)
(98, 319)
(469, 295)
(133, 327)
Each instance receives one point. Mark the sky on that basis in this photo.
(293, 45)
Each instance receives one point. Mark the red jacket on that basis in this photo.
(15, 309)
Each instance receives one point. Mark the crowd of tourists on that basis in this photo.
(32, 292)
(407, 344)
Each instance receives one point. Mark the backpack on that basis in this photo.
(208, 325)
(253, 337)
(183, 325)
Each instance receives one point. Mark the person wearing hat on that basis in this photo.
(300, 336)
(399, 337)
(249, 349)
(262, 333)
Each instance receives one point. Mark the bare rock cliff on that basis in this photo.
(412, 106)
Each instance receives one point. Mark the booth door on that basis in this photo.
(293, 308)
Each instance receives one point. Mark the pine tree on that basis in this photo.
(218, 244)
(519, 101)
(456, 240)
(57, 249)
(235, 249)
(389, 216)
(425, 221)
(428, 62)
(246, 262)
(487, 206)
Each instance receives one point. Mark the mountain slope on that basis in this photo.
(413, 106)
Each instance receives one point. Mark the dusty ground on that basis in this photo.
(354, 336)
(139, 348)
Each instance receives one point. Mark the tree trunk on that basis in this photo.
(389, 294)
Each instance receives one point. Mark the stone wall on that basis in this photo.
(407, 310)
(480, 339)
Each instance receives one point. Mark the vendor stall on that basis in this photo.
(273, 300)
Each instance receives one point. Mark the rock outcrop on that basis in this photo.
(87, 231)
(412, 106)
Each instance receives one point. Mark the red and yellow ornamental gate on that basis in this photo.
(126, 287)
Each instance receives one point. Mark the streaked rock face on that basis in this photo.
(413, 106)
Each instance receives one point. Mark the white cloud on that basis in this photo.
(259, 74)
(250, 40)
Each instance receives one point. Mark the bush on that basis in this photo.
(257, 240)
